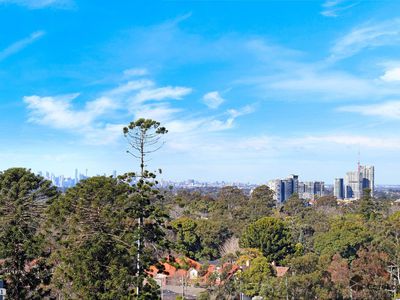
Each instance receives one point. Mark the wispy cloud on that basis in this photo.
(131, 86)
(391, 75)
(37, 4)
(162, 93)
(369, 35)
(58, 111)
(136, 72)
(133, 99)
(332, 8)
(388, 110)
(20, 45)
(213, 99)
(357, 140)
(233, 114)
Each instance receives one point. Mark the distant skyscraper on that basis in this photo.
(338, 189)
(276, 187)
(312, 189)
(368, 178)
(76, 176)
(115, 174)
(284, 188)
(357, 181)
(295, 183)
(352, 185)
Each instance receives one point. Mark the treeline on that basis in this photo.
(83, 244)
(347, 251)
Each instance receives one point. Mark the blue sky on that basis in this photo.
(249, 90)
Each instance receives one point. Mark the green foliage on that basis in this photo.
(346, 235)
(366, 206)
(271, 236)
(261, 203)
(199, 239)
(295, 206)
(212, 234)
(204, 296)
(97, 230)
(326, 201)
(253, 278)
(187, 242)
(23, 200)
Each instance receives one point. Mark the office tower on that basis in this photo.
(62, 181)
(76, 176)
(319, 188)
(284, 188)
(352, 185)
(357, 181)
(368, 178)
(308, 190)
(295, 183)
(312, 189)
(301, 189)
(276, 187)
(115, 174)
(287, 189)
(338, 189)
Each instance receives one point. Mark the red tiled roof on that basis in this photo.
(281, 271)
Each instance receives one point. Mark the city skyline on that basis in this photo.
(248, 92)
(306, 187)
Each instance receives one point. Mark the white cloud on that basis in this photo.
(131, 86)
(355, 140)
(58, 111)
(20, 45)
(391, 75)
(366, 36)
(162, 93)
(161, 112)
(332, 8)
(323, 85)
(213, 99)
(37, 4)
(390, 110)
(131, 99)
(136, 72)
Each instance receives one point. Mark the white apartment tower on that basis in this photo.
(357, 181)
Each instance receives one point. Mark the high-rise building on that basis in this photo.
(357, 181)
(353, 187)
(368, 178)
(338, 189)
(313, 189)
(295, 183)
(76, 176)
(276, 186)
(284, 188)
